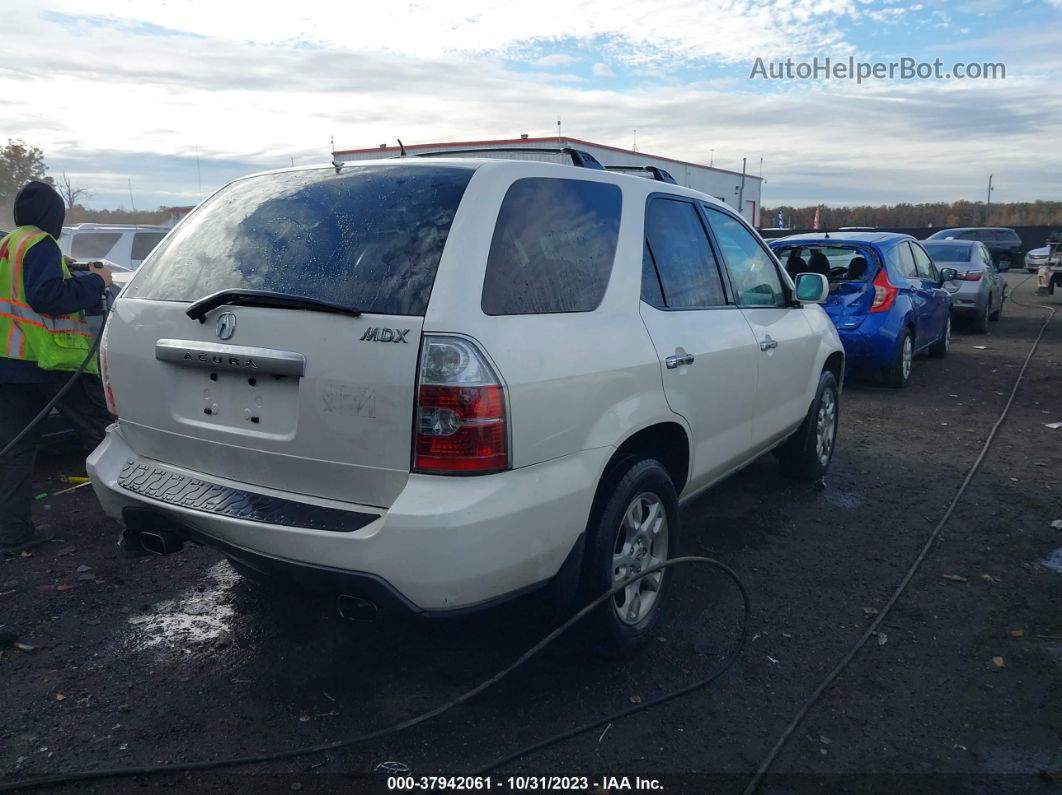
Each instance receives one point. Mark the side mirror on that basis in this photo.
(948, 275)
(811, 288)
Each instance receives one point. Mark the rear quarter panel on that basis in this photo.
(575, 381)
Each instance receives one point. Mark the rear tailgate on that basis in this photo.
(284, 397)
(294, 400)
(849, 302)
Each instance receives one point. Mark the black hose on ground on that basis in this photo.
(214, 764)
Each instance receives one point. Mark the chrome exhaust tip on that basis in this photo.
(354, 608)
(159, 542)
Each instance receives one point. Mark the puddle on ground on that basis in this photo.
(197, 616)
(1053, 561)
(842, 499)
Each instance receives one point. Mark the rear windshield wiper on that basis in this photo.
(239, 297)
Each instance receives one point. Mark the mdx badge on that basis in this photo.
(226, 325)
(373, 334)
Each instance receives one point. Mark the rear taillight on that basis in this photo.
(970, 276)
(884, 293)
(459, 424)
(108, 393)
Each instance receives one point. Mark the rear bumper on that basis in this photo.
(971, 303)
(446, 544)
(872, 346)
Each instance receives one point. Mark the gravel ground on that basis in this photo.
(179, 658)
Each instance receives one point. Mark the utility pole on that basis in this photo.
(988, 199)
(711, 158)
(741, 191)
(635, 140)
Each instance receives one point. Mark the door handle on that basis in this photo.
(767, 345)
(675, 361)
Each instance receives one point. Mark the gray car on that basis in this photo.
(1003, 244)
(979, 291)
(1035, 258)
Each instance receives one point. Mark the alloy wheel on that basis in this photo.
(642, 541)
(826, 426)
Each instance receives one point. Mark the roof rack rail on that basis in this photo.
(659, 174)
(579, 157)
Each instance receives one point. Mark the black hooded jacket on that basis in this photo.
(38, 204)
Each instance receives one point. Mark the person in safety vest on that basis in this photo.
(44, 339)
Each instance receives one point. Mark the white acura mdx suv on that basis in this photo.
(436, 383)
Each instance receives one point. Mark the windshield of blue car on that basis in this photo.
(943, 253)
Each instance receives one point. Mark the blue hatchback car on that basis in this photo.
(887, 298)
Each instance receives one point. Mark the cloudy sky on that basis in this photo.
(178, 96)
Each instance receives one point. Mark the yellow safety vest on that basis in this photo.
(53, 342)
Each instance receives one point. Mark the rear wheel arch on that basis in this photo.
(667, 442)
(835, 364)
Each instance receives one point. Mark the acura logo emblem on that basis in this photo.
(226, 326)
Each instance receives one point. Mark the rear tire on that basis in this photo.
(807, 454)
(940, 348)
(899, 372)
(980, 323)
(634, 524)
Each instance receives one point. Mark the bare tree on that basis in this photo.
(69, 193)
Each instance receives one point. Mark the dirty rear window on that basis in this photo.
(369, 238)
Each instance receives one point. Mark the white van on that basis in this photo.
(436, 383)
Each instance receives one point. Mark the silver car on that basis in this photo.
(979, 291)
(1035, 258)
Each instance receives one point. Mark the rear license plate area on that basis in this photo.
(253, 403)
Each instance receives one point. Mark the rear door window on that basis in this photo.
(923, 264)
(903, 260)
(652, 290)
(553, 247)
(369, 237)
(752, 270)
(687, 266)
(93, 245)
